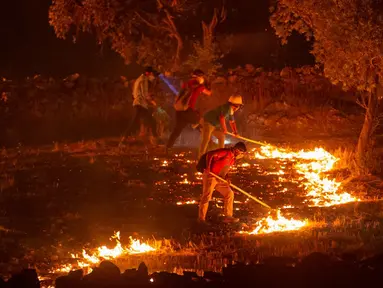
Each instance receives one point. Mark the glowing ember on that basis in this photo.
(321, 191)
(187, 202)
(104, 253)
(165, 163)
(198, 175)
(185, 181)
(137, 247)
(276, 224)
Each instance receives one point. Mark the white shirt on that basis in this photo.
(141, 91)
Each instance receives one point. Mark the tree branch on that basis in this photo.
(362, 103)
(157, 27)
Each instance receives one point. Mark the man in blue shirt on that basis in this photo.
(214, 122)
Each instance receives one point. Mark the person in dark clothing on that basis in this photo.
(187, 114)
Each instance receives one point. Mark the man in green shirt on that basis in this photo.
(214, 123)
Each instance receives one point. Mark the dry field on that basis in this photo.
(60, 199)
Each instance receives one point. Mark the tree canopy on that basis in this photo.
(145, 31)
(347, 36)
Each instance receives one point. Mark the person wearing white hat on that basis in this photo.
(214, 123)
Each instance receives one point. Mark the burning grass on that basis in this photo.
(86, 261)
(213, 251)
(277, 223)
(311, 165)
(297, 183)
(308, 169)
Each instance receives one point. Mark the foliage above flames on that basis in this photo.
(146, 31)
(346, 35)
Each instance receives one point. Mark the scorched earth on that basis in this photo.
(61, 204)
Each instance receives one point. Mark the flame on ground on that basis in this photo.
(321, 191)
(190, 202)
(276, 224)
(104, 253)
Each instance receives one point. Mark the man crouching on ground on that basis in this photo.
(218, 162)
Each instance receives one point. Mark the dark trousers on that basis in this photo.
(146, 117)
(183, 118)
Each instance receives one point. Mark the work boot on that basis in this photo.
(229, 220)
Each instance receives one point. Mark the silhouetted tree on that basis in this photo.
(141, 30)
(206, 54)
(347, 38)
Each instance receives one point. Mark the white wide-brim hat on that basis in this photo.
(236, 99)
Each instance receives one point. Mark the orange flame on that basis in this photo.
(321, 191)
(191, 202)
(276, 224)
(105, 253)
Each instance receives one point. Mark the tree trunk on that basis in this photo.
(177, 58)
(366, 141)
(173, 31)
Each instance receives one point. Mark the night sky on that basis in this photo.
(30, 47)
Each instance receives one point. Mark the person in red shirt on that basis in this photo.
(195, 86)
(219, 162)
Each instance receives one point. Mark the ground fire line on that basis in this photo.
(320, 190)
(310, 165)
(86, 261)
